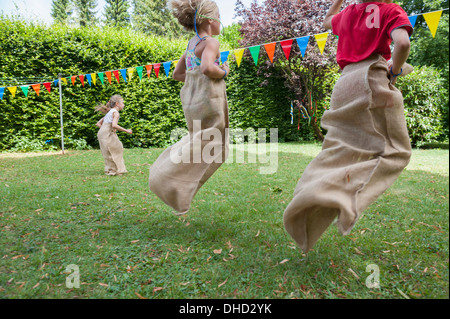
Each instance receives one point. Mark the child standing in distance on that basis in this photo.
(205, 107)
(367, 145)
(110, 145)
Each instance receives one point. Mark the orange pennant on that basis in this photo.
(149, 69)
(270, 50)
(73, 78)
(108, 75)
(36, 88)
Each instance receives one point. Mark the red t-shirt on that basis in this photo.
(365, 29)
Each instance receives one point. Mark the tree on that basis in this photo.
(276, 20)
(153, 17)
(61, 11)
(85, 12)
(116, 13)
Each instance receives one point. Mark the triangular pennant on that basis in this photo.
(73, 78)
(130, 73)
(303, 44)
(108, 75)
(48, 86)
(166, 66)
(149, 69)
(56, 82)
(36, 88)
(175, 63)
(88, 76)
(157, 66)
(224, 56)
(124, 74)
(81, 79)
(321, 39)
(238, 54)
(254, 51)
(270, 50)
(432, 20)
(286, 45)
(94, 79)
(2, 91)
(64, 80)
(25, 89)
(413, 20)
(139, 70)
(116, 74)
(101, 76)
(13, 90)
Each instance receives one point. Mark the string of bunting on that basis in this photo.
(432, 19)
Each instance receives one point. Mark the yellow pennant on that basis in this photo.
(239, 53)
(432, 20)
(64, 80)
(13, 90)
(321, 39)
(176, 62)
(94, 78)
(130, 72)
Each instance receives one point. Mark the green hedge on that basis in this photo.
(153, 107)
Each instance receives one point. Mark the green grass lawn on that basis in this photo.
(59, 210)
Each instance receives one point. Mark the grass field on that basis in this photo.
(60, 210)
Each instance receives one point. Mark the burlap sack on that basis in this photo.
(366, 148)
(176, 183)
(112, 150)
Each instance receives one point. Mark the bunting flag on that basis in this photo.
(36, 88)
(81, 79)
(175, 63)
(254, 51)
(321, 39)
(13, 90)
(108, 75)
(239, 54)
(65, 80)
(2, 91)
(74, 78)
(149, 70)
(88, 77)
(139, 70)
(413, 20)
(303, 44)
(116, 75)
(101, 76)
(270, 50)
(156, 67)
(48, 86)
(130, 73)
(25, 89)
(432, 19)
(224, 56)
(286, 45)
(124, 74)
(166, 66)
(94, 80)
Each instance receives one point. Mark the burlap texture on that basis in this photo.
(365, 149)
(112, 150)
(204, 100)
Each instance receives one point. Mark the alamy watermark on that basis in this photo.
(73, 280)
(373, 280)
(207, 146)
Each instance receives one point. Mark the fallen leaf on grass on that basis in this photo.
(37, 285)
(139, 296)
(284, 261)
(134, 241)
(218, 251)
(103, 285)
(353, 273)
(157, 289)
(257, 234)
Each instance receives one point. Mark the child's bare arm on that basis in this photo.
(402, 47)
(99, 123)
(116, 126)
(334, 9)
(179, 74)
(209, 55)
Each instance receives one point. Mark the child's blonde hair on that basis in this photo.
(102, 108)
(184, 11)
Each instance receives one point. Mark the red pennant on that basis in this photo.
(287, 45)
(48, 86)
(74, 78)
(81, 79)
(156, 67)
(116, 74)
(108, 75)
(149, 69)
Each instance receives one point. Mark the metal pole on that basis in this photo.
(61, 112)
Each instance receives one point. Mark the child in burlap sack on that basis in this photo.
(367, 145)
(110, 145)
(205, 107)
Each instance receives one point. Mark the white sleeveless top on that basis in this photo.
(109, 116)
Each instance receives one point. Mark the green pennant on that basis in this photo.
(139, 71)
(25, 89)
(101, 76)
(254, 51)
